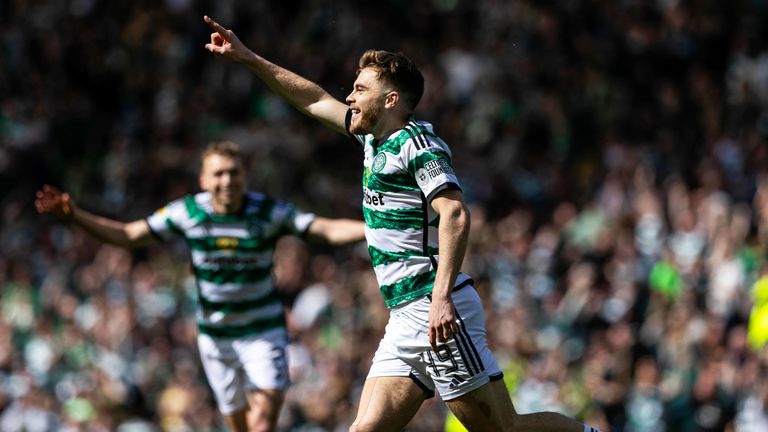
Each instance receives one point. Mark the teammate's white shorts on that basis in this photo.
(459, 366)
(237, 366)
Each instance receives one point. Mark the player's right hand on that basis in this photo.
(51, 200)
(224, 42)
(442, 321)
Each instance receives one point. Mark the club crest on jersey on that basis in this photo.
(378, 162)
(226, 242)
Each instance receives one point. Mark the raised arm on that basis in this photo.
(303, 94)
(453, 232)
(336, 231)
(132, 234)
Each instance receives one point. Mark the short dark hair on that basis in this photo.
(398, 70)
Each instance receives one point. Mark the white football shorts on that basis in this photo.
(459, 366)
(237, 366)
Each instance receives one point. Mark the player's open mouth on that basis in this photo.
(355, 112)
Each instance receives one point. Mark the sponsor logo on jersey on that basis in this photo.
(227, 242)
(378, 162)
(232, 261)
(373, 198)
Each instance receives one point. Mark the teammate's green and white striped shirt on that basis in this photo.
(232, 258)
(401, 176)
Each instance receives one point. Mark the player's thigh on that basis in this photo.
(387, 404)
(264, 360)
(488, 408)
(224, 375)
(264, 409)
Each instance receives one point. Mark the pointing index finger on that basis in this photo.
(216, 26)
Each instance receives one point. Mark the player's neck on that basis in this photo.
(387, 125)
(220, 208)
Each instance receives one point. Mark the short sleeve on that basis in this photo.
(166, 221)
(431, 166)
(292, 220)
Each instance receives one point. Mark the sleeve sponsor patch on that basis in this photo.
(432, 170)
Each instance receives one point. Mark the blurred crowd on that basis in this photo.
(614, 154)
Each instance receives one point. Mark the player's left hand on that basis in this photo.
(442, 321)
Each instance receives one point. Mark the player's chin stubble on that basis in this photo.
(365, 121)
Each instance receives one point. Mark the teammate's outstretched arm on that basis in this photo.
(300, 92)
(336, 231)
(52, 201)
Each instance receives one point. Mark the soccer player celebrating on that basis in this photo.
(416, 227)
(232, 234)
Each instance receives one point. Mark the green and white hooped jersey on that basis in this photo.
(401, 176)
(232, 258)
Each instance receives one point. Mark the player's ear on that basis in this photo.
(392, 99)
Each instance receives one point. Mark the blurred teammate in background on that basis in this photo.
(231, 233)
(415, 217)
